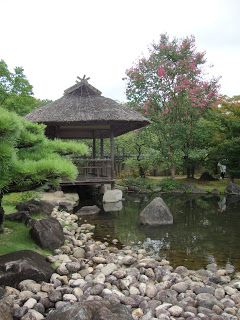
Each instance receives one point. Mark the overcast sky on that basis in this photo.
(57, 40)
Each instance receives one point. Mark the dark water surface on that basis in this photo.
(206, 229)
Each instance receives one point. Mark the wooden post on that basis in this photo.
(112, 157)
(94, 152)
(102, 155)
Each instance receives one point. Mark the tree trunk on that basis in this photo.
(1, 214)
(141, 172)
(192, 172)
(173, 171)
(188, 173)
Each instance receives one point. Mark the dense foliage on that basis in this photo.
(28, 159)
(226, 141)
(16, 93)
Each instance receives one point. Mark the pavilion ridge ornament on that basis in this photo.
(84, 79)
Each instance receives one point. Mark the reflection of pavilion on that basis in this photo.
(82, 113)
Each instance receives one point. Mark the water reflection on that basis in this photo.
(206, 229)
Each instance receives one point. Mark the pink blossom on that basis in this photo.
(161, 72)
(140, 78)
(185, 112)
(165, 111)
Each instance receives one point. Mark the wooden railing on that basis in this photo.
(94, 168)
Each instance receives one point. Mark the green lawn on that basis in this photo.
(220, 185)
(16, 236)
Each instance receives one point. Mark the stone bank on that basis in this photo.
(95, 280)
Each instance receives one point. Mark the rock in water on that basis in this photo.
(156, 214)
(233, 188)
(88, 210)
(48, 233)
(112, 196)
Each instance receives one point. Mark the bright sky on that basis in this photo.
(57, 40)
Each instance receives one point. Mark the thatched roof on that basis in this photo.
(82, 106)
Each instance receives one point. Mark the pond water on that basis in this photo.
(206, 229)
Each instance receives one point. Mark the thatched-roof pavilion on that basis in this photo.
(82, 113)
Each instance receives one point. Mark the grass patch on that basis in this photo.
(16, 197)
(16, 237)
(167, 183)
(209, 186)
(8, 208)
(132, 181)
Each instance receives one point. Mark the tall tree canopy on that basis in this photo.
(16, 93)
(28, 159)
(226, 141)
(169, 86)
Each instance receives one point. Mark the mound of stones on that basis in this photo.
(94, 280)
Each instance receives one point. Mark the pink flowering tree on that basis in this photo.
(172, 89)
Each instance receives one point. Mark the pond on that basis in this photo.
(206, 229)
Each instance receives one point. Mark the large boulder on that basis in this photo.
(88, 211)
(61, 200)
(22, 265)
(112, 206)
(66, 206)
(206, 176)
(6, 308)
(35, 206)
(156, 214)
(191, 187)
(91, 310)
(48, 233)
(20, 216)
(112, 196)
(233, 188)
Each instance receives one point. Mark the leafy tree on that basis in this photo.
(170, 87)
(16, 93)
(28, 159)
(134, 149)
(226, 142)
(196, 153)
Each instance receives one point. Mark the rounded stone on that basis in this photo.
(109, 269)
(219, 293)
(55, 295)
(137, 313)
(69, 297)
(73, 266)
(180, 287)
(151, 290)
(228, 303)
(30, 303)
(175, 311)
(99, 260)
(79, 253)
(129, 260)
